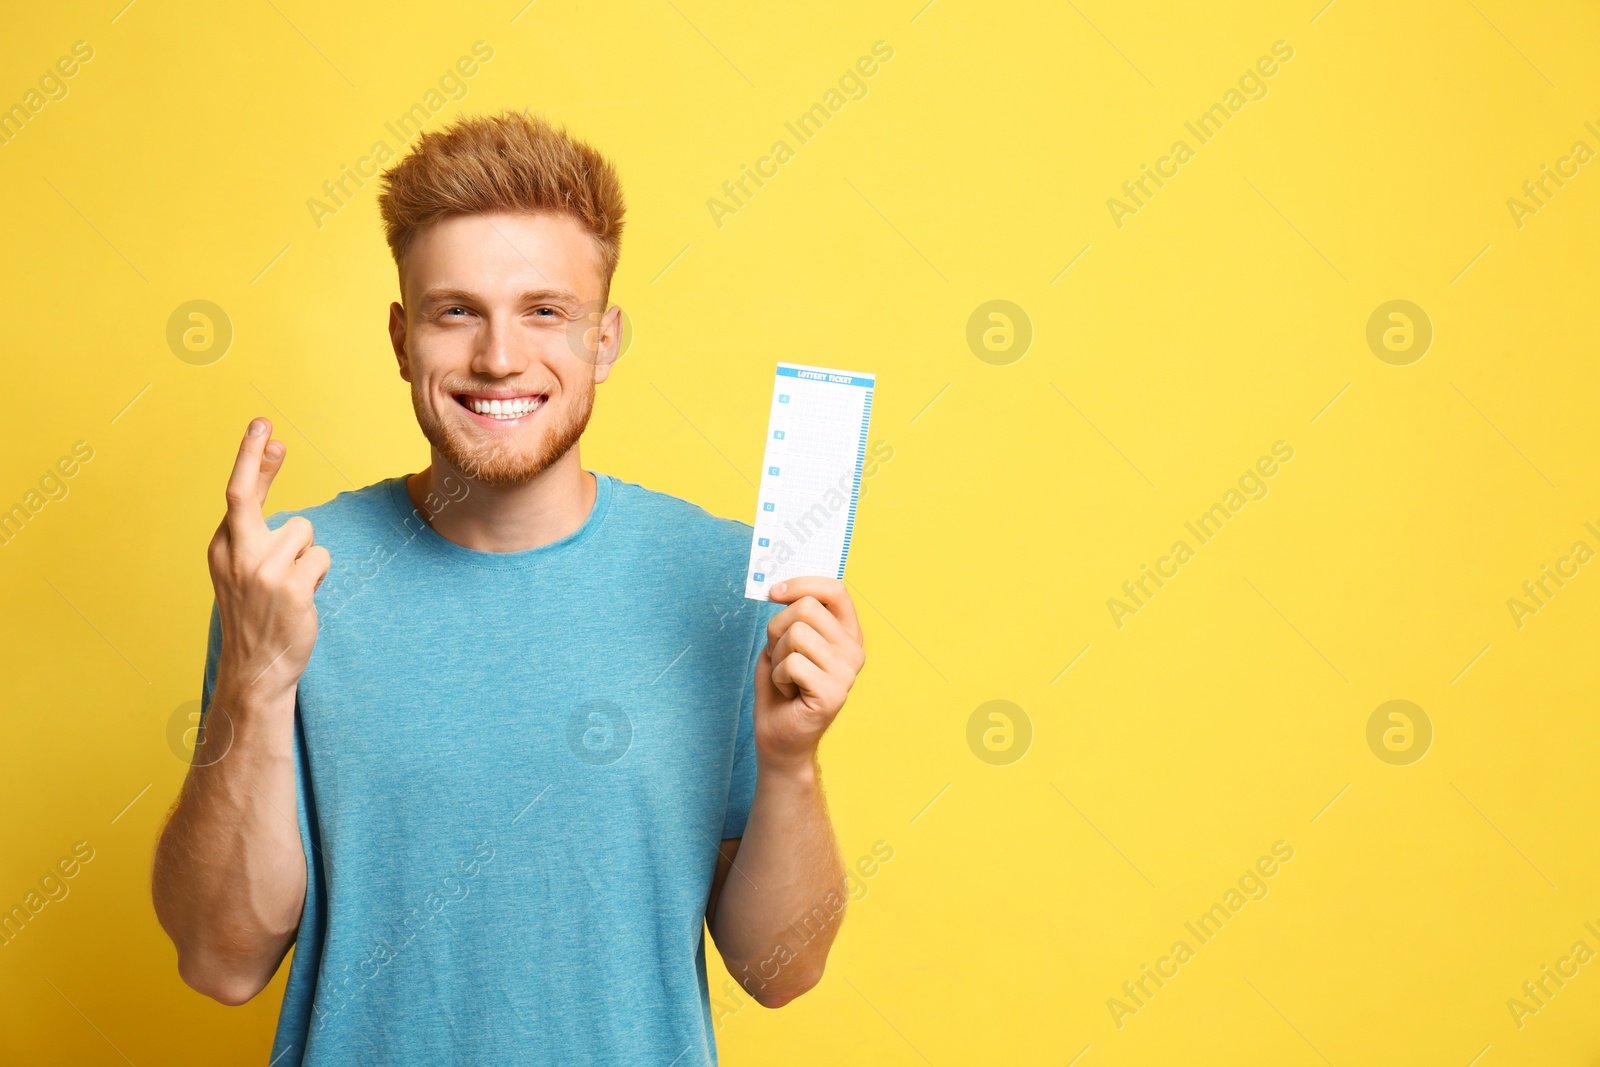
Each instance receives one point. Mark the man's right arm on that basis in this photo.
(230, 875)
(229, 878)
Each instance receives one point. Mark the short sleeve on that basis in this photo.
(742, 785)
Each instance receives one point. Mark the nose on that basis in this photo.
(498, 354)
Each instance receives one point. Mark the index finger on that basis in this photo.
(244, 502)
(829, 592)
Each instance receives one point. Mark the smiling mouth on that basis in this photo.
(502, 409)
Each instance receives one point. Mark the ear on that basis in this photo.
(609, 349)
(397, 338)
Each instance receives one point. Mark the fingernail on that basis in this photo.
(256, 427)
(274, 450)
(777, 590)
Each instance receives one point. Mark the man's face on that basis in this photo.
(501, 339)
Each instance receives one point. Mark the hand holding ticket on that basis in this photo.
(810, 475)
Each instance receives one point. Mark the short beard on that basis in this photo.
(499, 464)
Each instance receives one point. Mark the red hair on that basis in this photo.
(510, 162)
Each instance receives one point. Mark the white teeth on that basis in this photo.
(513, 408)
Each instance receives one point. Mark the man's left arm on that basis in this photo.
(775, 916)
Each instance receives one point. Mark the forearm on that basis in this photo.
(229, 878)
(781, 905)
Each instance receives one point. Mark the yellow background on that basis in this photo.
(1222, 317)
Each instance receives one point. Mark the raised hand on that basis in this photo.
(814, 653)
(229, 878)
(265, 579)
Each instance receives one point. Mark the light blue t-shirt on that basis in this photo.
(513, 771)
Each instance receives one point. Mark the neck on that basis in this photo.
(547, 507)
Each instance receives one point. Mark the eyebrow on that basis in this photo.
(439, 294)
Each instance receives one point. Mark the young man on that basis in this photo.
(488, 748)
